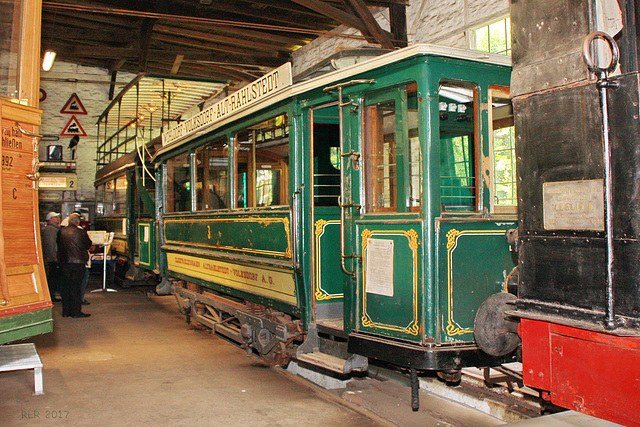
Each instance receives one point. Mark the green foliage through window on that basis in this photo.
(494, 38)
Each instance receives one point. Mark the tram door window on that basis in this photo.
(457, 106)
(178, 191)
(262, 163)
(326, 157)
(109, 191)
(504, 152)
(145, 208)
(100, 199)
(393, 152)
(212, 175)
(120, 204)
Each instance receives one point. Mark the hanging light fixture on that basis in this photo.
(47, 60)
(49, 54)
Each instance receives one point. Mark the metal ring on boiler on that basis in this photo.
(586, 52)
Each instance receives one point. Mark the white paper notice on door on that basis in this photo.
(379, 270)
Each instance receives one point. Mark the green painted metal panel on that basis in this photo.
(146, 245)
(390, 290)
(329, 277)
(264, 234)
(474, 259)
(25, 325)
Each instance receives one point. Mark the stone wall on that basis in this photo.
(442, 22)
(91, 85)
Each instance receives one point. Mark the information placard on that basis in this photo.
(379, 270)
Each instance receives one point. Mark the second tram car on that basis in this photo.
(360, 214)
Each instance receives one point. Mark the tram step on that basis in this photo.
(335, 364)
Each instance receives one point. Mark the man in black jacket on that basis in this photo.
(73, 247)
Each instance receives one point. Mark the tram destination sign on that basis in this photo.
(250, 94)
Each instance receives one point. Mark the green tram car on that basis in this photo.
(125, 205)
(359, 214)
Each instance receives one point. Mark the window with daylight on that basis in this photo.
(457, 105)
(262, 164)
(393, 151)
(178, 185)
(504, 151)
(494, 38)
(212, 175)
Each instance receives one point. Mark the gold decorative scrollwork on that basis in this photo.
(321, 296)
(453, 330)
(412, 235)
(287, 231)
(366, 322)
(451, 238)
(365, 237)
(414, 329)
(320, 226)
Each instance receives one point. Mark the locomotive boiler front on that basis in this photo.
(579, 224)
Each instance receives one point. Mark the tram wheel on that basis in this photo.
(450, 377)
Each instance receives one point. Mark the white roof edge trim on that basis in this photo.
(370, 64)
(115, 171)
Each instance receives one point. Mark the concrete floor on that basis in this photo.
(135, 361)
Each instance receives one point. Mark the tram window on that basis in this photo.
(212, 175)
(109, 191)
(415, 150)
(393, 166)
(262, 163)
(150, 188)
(381, 135)
(457, 146)
(100, 199)
(120, 201)
(326, 157)
(504, 152)
(178, 184)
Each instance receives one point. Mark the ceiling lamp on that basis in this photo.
(47, 60)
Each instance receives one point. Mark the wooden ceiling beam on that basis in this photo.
(333, 13)
(209, 37)
(267, 36)
(183, 41)
(146, 33)
(370, 23)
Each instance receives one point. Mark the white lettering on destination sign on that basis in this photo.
(250, 94)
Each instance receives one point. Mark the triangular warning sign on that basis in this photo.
(73, 106)
(73, 128)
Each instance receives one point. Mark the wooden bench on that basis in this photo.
(17, 357)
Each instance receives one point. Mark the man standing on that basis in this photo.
(50, 251)
(73, 247)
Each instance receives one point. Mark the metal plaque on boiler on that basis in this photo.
(573, 205)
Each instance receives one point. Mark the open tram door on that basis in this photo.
(382, 205)
(328, 333)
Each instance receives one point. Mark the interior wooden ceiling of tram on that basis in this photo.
(230, 40)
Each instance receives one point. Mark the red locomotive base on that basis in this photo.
(586, 371)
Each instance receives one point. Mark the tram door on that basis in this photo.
(385, 246)
(329, 279)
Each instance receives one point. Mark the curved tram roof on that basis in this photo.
(172, 142)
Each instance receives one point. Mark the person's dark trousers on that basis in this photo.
(72, 278)
(54, 277)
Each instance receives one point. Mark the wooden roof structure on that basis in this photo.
(230, 41)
